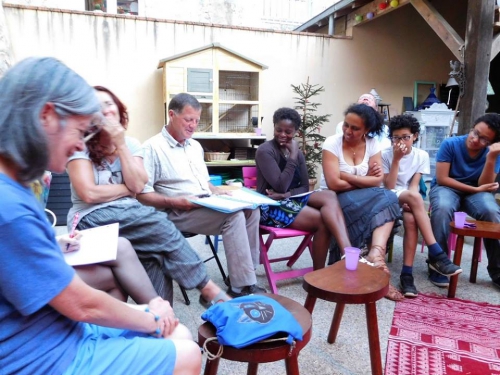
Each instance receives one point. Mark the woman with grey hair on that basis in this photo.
(52, 322)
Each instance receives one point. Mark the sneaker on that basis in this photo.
(443, 265)
(247, 290)
(496, 282)
(407, 286)
(438, 279)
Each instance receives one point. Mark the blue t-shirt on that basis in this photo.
(463, 168)
(34, 338)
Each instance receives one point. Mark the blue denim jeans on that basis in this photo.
(481, 206)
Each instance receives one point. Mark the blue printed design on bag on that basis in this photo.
(246, 320)
(257, 312)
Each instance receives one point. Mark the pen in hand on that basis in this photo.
(73, 228)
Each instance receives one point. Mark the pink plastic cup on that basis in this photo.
(460, 219)
(351, 258)
(258, 131)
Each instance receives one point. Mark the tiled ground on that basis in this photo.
(349, 355)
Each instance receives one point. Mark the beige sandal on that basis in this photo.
(394, 294)
(377, 257)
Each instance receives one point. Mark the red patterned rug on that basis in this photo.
(435, 335)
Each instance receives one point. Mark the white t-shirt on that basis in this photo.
(417, 161)
(333, 144)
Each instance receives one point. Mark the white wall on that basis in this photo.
(123, 53)
(61, 4)
(272, 14)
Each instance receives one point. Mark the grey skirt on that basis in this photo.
(364, 211)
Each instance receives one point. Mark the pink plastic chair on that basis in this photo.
(250, 181)
(249, 177)
(275, 234)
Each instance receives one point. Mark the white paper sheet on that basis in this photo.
(97, 245)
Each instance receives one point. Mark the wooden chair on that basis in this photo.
(366, 285)
(265, 245)
(452, 242)
(482, 230)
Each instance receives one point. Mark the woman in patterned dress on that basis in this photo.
(281, 175)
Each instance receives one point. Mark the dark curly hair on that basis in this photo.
(287, 114)
(493, 122)
(373, 120)
(404, 122)
(96, 150)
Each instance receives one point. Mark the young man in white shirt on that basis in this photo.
(403, 167)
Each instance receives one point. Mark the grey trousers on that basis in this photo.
(156, 241)
(240, 236)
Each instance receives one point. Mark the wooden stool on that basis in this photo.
(337, 284)
(265, 352)
(484, 229)
(381, 109)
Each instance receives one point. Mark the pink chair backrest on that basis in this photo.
(249, 177)
(249, 172)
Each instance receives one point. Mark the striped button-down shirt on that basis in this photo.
(175, 169)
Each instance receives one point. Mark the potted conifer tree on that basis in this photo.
(309, 137)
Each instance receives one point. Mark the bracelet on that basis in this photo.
(157, 318)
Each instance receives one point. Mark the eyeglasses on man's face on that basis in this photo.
(482, 140)
(402, 138)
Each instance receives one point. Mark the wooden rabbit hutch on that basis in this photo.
(226, 84)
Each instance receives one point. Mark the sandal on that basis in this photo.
(394, 294)
(377, 257)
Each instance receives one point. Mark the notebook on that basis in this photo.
(239, 199)
(97, 245)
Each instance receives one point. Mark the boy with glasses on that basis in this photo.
(466, 169)
(403, 167)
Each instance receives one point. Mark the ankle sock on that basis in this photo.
(221, 297)
(434, 250)
(236, 289)
(407, 269)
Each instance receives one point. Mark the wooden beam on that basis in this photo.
(440, 26)
(478, 43)
(495, 47)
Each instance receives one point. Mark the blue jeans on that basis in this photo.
(481, 206)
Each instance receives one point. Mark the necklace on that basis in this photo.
(353, 152)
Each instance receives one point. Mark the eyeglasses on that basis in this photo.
(188, 120)
(403, 138)
(482, 140)
(94, 128)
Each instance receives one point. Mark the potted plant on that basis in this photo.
(309, 137)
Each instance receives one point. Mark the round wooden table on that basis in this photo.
(264, 352)
(483, 229)
(366, 285)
